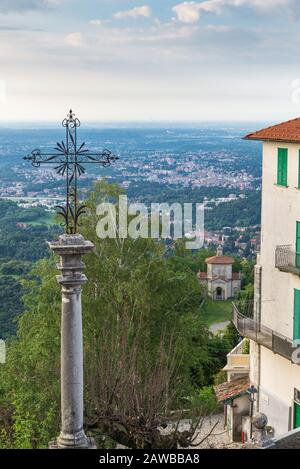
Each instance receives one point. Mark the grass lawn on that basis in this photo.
(216, 311)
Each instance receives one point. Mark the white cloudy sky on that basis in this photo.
(156, 60)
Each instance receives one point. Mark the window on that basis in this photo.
(296, 314)
(282, 167)
(296, 408)
(296, 415)
(298, 244)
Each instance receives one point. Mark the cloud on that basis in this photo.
(187, 12)
(116, 67)
(219, 28)
(75, 40)
(23, 5)
(136, 12)
(96, 23)
(190, 12)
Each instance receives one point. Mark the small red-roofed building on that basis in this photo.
(221, 282)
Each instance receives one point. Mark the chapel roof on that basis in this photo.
(223, 260)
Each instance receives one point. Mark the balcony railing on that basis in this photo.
(262, 335)
(287, 260)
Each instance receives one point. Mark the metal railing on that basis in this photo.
(287, 260)
(262, 335)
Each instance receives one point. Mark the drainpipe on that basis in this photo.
(258, 303)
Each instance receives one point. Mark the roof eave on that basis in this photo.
(232, 398)
(279, 140)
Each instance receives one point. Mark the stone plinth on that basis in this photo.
(70, 249)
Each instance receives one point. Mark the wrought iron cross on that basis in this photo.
(69, 160)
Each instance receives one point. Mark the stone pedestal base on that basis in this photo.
(90, 444)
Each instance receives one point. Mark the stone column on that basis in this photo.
(70, 249)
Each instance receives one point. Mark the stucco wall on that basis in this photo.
(236, 286)
(235, 416)
(222, 270)
(280, 211)
(209, 270)
(254, 363)
(226, 287)
(278, 378)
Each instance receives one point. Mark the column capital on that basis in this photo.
(68, 245)
(70, 249)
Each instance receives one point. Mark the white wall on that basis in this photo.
(226, 287)
(218, 270)
(278, 378)
(280, 211)
(235, 413)
(221, 270)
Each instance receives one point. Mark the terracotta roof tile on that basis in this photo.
(285, 132)
(219, 260)
(202, 275)
(236, 275)
(232, 390)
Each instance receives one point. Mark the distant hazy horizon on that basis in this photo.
(136, 125)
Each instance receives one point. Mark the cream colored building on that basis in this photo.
(273, 323)
(233, 394)
(220, 281)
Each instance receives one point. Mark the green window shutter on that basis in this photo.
(279, 167)
(282, 166)
(296, 314)
(284, 171)
(298, 237)
(296, 415)
(298, 244)
(299, 171)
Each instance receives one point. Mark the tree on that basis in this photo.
(146, 349)
(247, 268)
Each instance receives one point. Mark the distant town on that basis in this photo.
(221, 179)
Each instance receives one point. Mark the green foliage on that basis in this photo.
(11, 305)
(128, 279)
(183, 259)
(20, 246)
(220, 377)
(216, 311)
(241, 212)
(247, 269)
(231, 335)
(15, 268)
(206, 399)
(29, 381)
(246, 347)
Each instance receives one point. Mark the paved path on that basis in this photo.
(219, 326)
(219, 439)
